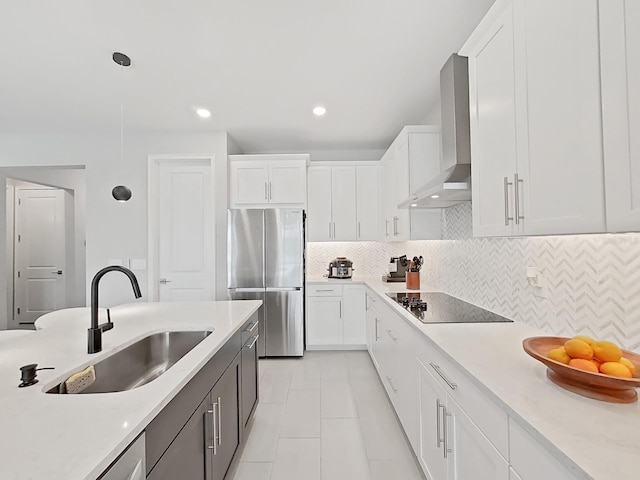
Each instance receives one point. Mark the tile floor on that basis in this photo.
(324, 417)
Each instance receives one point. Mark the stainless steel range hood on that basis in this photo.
(453, 185)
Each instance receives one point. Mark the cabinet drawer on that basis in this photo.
(489, 417)
(324, 290)
(531, 460)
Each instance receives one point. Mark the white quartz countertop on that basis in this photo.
(68, 437)
(594, 439)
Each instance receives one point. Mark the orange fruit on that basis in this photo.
(559, 355)
(583, 364)
(577, 348)
(629, 364)
(615, 369)
(607, 351)
(585, 339)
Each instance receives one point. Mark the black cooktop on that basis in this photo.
(437, 307)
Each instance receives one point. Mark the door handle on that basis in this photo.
(386, 228)
(516, 190)
(438, 407)
(507, 218)
(270, 197)
(164, 280)
(445, 435)
(329, 229)
(219, 421)
(395, 339)
(58, 272)
(214, 446)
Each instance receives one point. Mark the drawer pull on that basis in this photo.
(255, 339)
(252, 327)
(395, 390)
(395, 339)
(452, 385)
(438, 427)
(325, 290)
(445, 437)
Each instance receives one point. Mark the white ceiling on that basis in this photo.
(259, 65)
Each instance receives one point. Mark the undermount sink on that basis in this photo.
(141, 362)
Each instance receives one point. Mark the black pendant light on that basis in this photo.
(121, 193)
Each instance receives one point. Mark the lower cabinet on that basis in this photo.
(335, 316)
(196, 436)
(130, 465)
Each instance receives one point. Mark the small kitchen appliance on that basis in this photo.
(340, 267)
(398, 267)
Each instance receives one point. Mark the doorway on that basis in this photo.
(181, 240)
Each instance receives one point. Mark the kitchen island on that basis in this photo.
(47, 436)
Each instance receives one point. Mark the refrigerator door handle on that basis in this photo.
(245, 290)
(282, 289)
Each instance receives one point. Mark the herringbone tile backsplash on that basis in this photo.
(592, 282)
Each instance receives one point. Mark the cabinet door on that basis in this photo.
(249, 362)
(354, 321)
(402, 226)
(367, 202)
(432, 415)
(249, 183)
(225, 399)
(288, 182)
(319, 223)
(472, 456)
(188, 457)
(401, 163)
(559, 128)
(493, 127)
(424, 159)
(343, 202)
(620, 70)
(324, 321)
(387, 196)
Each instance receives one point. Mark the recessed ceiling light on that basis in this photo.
(203, 113)
(435, 196)
(319, 111)
(414, 204)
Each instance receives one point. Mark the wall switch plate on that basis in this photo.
(138, 264)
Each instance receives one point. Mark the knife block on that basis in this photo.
(413, 280)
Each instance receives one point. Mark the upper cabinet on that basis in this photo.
(268, 181)
(536, 124)
(342, 202)
(410, 162)
(620, 60)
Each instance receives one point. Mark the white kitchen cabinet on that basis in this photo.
(324, 321)
(267, 181)
(410, 162)
(342, 203)
(620, 63)
(354, 316)
(536, 130)
(451, 445)
(367, 200)
(336, 316)
(331, 212)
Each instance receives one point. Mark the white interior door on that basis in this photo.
(39, 241)
(185, 233)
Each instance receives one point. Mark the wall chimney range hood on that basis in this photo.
(453, 184)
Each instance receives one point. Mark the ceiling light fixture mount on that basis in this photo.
(121, 193)
(319, 111)
(203, 112)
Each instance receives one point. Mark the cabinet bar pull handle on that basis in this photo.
(366, 303)
(270, 197)
(377, 337)
(445, 436)
(324, 290)
(395, 339)
(359, 230)
(329, 229)
(252, 327)
(452, 385)
(395, 390)
(395, 226)
(507, 218)
(255, 339)
(516, 188)
(265, 191)
(340, 305)
(214, 429)
(219, 421)
(386, 228)
(438, 438)
(334, 229)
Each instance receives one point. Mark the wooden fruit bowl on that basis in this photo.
(593, 385)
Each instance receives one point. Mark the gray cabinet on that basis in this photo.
(196, 436)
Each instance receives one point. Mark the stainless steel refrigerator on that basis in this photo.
(265, 261)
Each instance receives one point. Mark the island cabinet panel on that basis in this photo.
(196, 436)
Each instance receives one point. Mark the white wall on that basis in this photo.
(119, 230)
